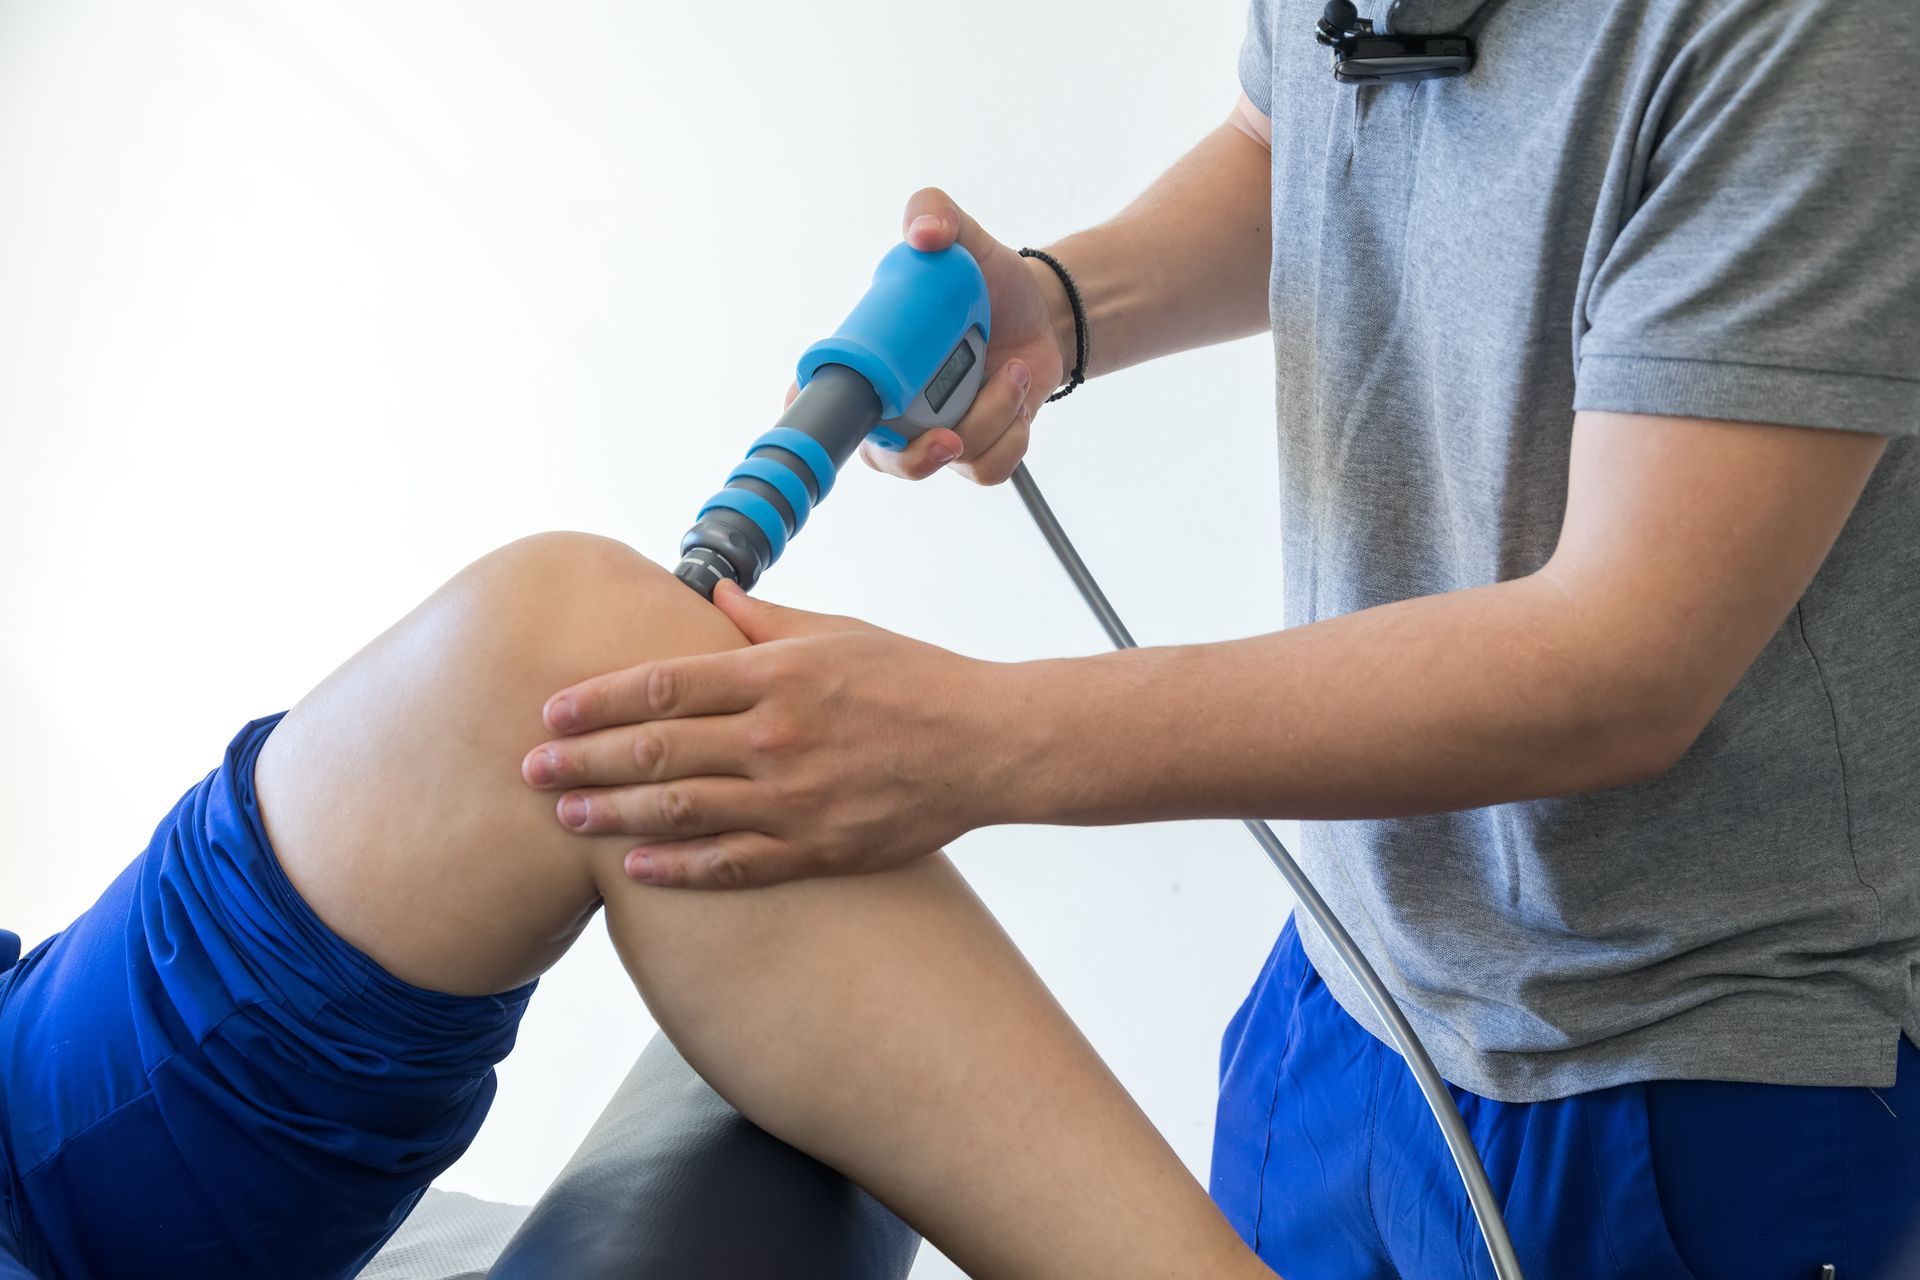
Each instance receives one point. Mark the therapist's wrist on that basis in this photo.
(1031, 764)
(1060, 321)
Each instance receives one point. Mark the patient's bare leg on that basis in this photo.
(882, 1023)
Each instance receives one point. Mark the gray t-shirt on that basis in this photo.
(1664, 206)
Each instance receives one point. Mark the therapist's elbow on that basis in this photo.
(1650, 751)
(1631, 697)
(1647, 726)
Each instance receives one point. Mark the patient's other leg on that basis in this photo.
(882, 1023)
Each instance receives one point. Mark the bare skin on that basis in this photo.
(883, 1023)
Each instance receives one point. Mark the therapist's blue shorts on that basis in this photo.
(200, 1079)
(1328, 1163)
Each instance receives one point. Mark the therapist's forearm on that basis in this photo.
(1449, 702)
(1183, 266)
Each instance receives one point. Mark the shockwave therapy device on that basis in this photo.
(910, 356)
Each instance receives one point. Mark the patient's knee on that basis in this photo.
(560, 559)
(557, 607)
(393, 791)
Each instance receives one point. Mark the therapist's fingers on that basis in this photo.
(681, 810)
(924, 455)
(736, 860)
(656, 752)
(998, 409)
(997, 464)
(703, 685)
(999, 416)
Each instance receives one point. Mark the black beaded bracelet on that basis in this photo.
(1079, 374)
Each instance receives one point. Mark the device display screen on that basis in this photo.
(940, 390)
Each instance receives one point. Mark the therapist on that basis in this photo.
(1598, 377)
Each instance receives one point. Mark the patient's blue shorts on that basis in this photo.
(200, 1079)
(1328, 1163)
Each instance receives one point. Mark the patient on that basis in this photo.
(251, 1056)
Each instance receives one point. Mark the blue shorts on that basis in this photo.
(199, 1079)
(1328, 1163)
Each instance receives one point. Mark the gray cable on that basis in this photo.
(1466, 1158)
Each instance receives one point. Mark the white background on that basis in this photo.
(303, 306)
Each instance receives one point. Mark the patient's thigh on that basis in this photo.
(198, 1078)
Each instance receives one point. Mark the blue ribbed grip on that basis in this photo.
(807, 449)
(781, 478)
(757, 509)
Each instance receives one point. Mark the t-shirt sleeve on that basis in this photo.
(1256, 56)
(1770, 270)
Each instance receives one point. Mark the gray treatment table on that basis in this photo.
(671, 1183)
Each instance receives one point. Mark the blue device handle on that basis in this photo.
(917, 336)
(919, 306)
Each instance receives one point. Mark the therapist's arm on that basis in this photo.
(831, 746)
(1185, 265)
(1685, 545)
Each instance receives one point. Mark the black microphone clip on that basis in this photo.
(1363, 56)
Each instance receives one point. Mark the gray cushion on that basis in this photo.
(671, 1183)
(448, 1236)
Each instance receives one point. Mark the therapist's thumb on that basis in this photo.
(761, 620)
(933, 221)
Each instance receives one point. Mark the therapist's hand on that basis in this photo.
(1027, 354)
(827, 747)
